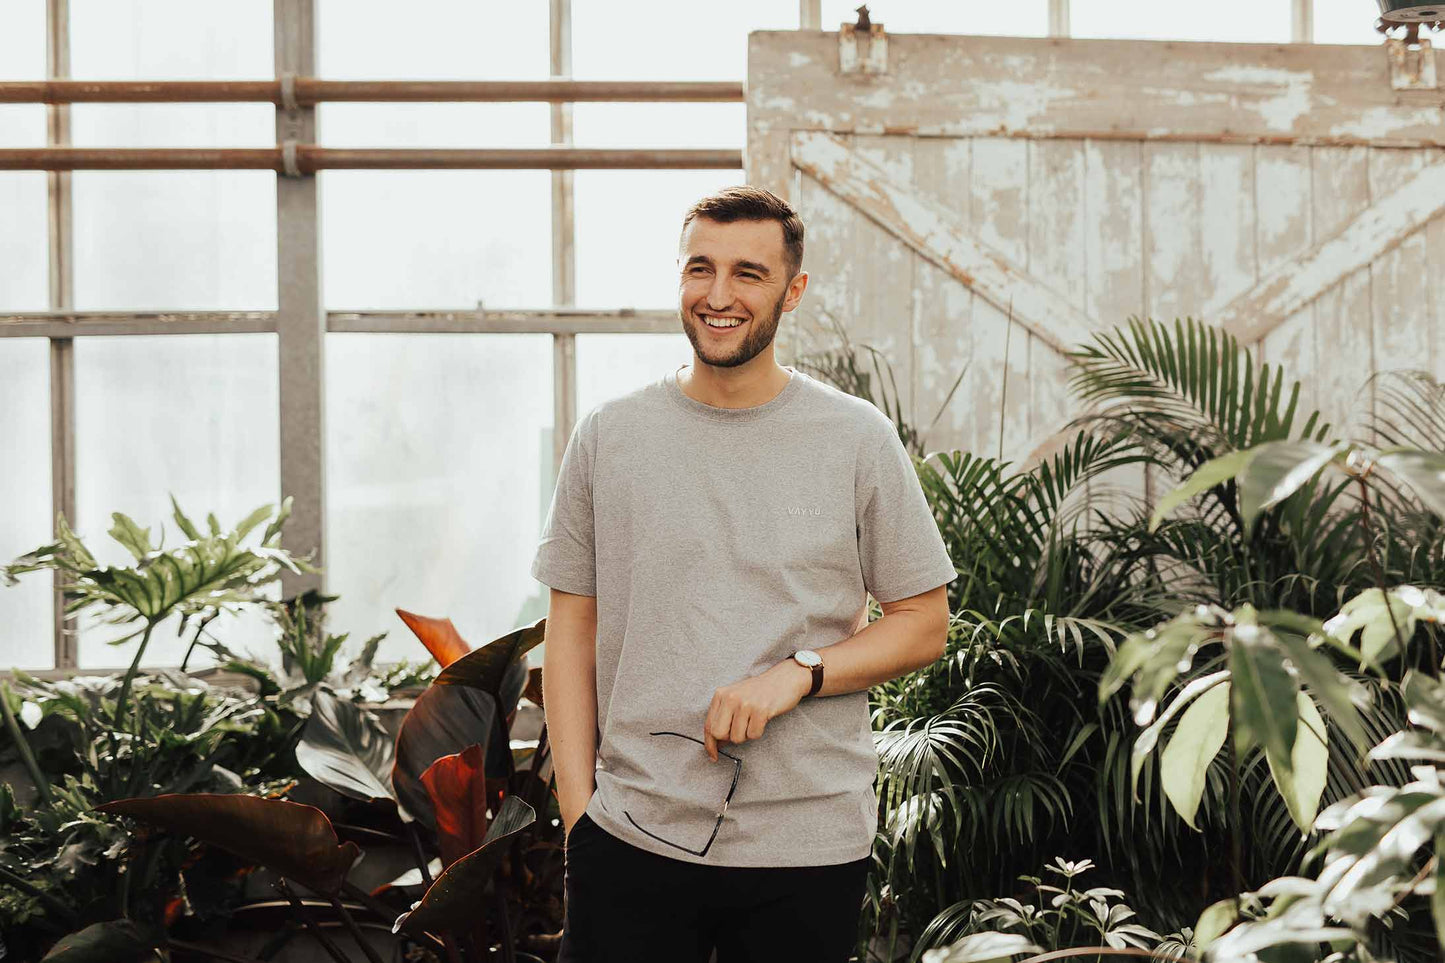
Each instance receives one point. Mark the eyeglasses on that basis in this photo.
(737, 768)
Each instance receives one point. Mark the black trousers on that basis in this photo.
(625, 903)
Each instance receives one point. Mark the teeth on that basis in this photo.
(722, 322)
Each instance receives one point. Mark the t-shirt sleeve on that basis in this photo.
(566, 556)
(899, 545)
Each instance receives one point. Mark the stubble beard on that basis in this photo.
(753, 343)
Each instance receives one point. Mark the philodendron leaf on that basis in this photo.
(345, 748)
(1278, 470)
(1303, 781)
(1147, 739)
(982, 948)
(1184, 764)
(443, 720)
(294, 840)
(1265, 707)
(1423, 471)
(1214, 472)
(114, 941)
(440, 636)
(450, 904)
(1213, 922)
(486, 667)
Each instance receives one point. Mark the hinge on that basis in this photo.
(1412, 67)
(851, 35)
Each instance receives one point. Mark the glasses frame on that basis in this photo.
(737, 770)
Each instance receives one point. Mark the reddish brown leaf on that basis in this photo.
(457, 785)
(534, 686)
(294, 840)
(440, 637)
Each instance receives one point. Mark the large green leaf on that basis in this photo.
(1368, 614)
(1214, 921)
(114, 941)
(294, 840)
(1277, 470)
(1150, 737)
(1374, 848)
(346, 748)
(1340, 694)
(1303, 781)
(450, 904)
(1214, 472)
(1184, 764)
(1423, 471)
(982, 948)
(1265, 707)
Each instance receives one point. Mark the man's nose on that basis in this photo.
(719, 294)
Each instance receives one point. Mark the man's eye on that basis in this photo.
(747, 275)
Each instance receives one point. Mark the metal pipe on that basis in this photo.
(311, 158)
(310, 91)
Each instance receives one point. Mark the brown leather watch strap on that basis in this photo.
(817, 671)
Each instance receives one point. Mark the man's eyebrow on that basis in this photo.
(747, 265)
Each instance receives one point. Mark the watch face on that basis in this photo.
(808, 657)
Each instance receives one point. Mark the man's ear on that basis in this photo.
(796, 287)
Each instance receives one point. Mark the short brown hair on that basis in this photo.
(747, 203)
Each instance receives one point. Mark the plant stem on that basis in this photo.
(356, 933)
(326, 942)
(22, 747)
(1236, 841)
(115, 720)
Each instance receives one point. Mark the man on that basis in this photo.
(710, 544)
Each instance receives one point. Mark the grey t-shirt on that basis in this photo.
(718, 541)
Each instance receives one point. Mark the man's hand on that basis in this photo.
(741, 711)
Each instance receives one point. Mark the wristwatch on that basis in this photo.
(813, 662)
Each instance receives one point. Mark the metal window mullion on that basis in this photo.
(300, 316)
(61, 257)
(1302, 21)
(564, 238)
(1059, 18)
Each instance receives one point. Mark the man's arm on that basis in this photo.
(569, 698)
(912, 633)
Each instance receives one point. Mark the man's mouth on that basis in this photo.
(720, 323)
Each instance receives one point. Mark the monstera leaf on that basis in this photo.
(345, 748)
(450, 904)
(440, 637)
(294, 840)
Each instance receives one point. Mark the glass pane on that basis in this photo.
(660, 125)
(436, 239)
(1347, 21)
(666, 40)
(432, 40)
(433, 125)
(22, 40)
(170, 40)
(438, 453)
(611, 365)
(25, 525)
(24, 276)
(194, 416)
(1018, 18)
(628, 226)
(1240, 21)
(182, 240)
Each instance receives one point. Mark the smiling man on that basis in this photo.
(710, 546)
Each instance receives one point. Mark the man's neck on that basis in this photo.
(733, 387)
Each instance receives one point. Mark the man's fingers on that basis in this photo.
(756, 726)
(709, 745)
(739, 730)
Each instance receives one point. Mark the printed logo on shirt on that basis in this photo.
(804, 510)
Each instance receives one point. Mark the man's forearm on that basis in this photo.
(569, 699)
(898, 643)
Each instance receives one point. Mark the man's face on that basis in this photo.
(730, 272)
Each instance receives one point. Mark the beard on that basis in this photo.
(760, 335)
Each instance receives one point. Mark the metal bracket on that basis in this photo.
(289, 166)
(849, 62)
(288, 91)
(1412, 67)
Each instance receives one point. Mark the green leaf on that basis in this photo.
(1184, 765)
(1423, 471)
(346, 748)
(135, 539)
(1265, 708)
(1303, 782)
(1213, 922)
(114, 941)
(1437, 898)
(1278, 470)
(1214, 472)
(1340, 694)
(1367, 613)
(982, 948)
(1150, 736)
